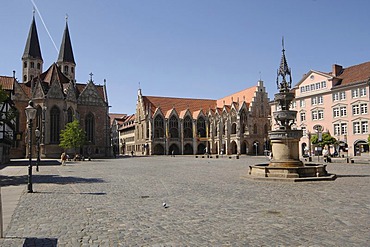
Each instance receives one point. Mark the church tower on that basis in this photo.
(32, 59)
(66, 61)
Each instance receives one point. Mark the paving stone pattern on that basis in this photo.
(119, 202)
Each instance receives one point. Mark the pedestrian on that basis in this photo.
(63, 158)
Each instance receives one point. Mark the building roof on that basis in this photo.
(120, 118)
(32, 49)
(179, 104)
(354, 74)
(7, 82)
(243, 95)
(66, 52)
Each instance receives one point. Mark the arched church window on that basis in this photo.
(54, 124)
(25, 64)
(70, 115)
(38, 66)
(90, 128)
(158, 127)
(201, 127)
(188, 127)
(66, 69)
(174, 127)
(233, 128)
(255, 129)
(32, 65)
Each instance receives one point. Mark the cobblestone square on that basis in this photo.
(119, 202)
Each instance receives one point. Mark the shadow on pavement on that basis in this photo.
(353, 176)
(50, 179)
(28, 242)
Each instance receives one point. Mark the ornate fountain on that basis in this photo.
(285, 163)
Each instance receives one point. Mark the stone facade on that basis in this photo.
(58, 99)
(236, 124)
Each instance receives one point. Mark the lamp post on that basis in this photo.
(30, 115)
(38, 135)
(345, 140)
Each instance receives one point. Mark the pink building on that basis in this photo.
(338, 103)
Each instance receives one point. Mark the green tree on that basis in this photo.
(73, 136)
(327, 140)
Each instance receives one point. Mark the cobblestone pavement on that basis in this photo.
(119, 202)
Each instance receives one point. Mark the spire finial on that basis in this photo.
(91, 76)
(139, 86)
(33, 11)
(66, 18)
(282, 43)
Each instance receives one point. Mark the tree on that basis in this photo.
(327, 140)
(73, 136)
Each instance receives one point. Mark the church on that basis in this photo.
(58, 99)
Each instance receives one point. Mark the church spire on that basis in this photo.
(32, 58)
(66, 59)
(283, 72)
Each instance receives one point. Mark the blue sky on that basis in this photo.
(189, 48)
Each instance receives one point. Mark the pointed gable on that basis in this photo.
(53, 74)
(90, 95)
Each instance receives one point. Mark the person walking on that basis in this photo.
(63, 158)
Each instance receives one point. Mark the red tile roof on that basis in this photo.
(354, 74)
(179, 104)
(7, 82)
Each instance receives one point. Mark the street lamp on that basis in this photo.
(30, 115)
(38, 135)
(256, 147)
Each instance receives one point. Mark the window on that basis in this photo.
(355, 109)
(38, 66)
(90, 128)
(66, 69)
(356, 128)
(323, 84)
(340, 129)
(363, 108)
(335, 96)
(255, 130)
(320, 99)
(158, 127)
(69, 115)
(321, 114)
(314, 101)
(364, 127)
(174, 127)
(312, 86)
(355, 93)
(343, 111)
(302, 90)
(25, 64)
(363, 92)
(342, 95)
(302, 103)
(72, 69)
(303, 116)
(317, 85)
(315, 115)
(201, 127)
(343, 128)
(54, 124)
(336, 112)
(337, 129)
(32, 65)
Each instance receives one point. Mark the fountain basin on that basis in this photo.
(307, 172)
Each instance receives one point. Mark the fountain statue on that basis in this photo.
(285, 163)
